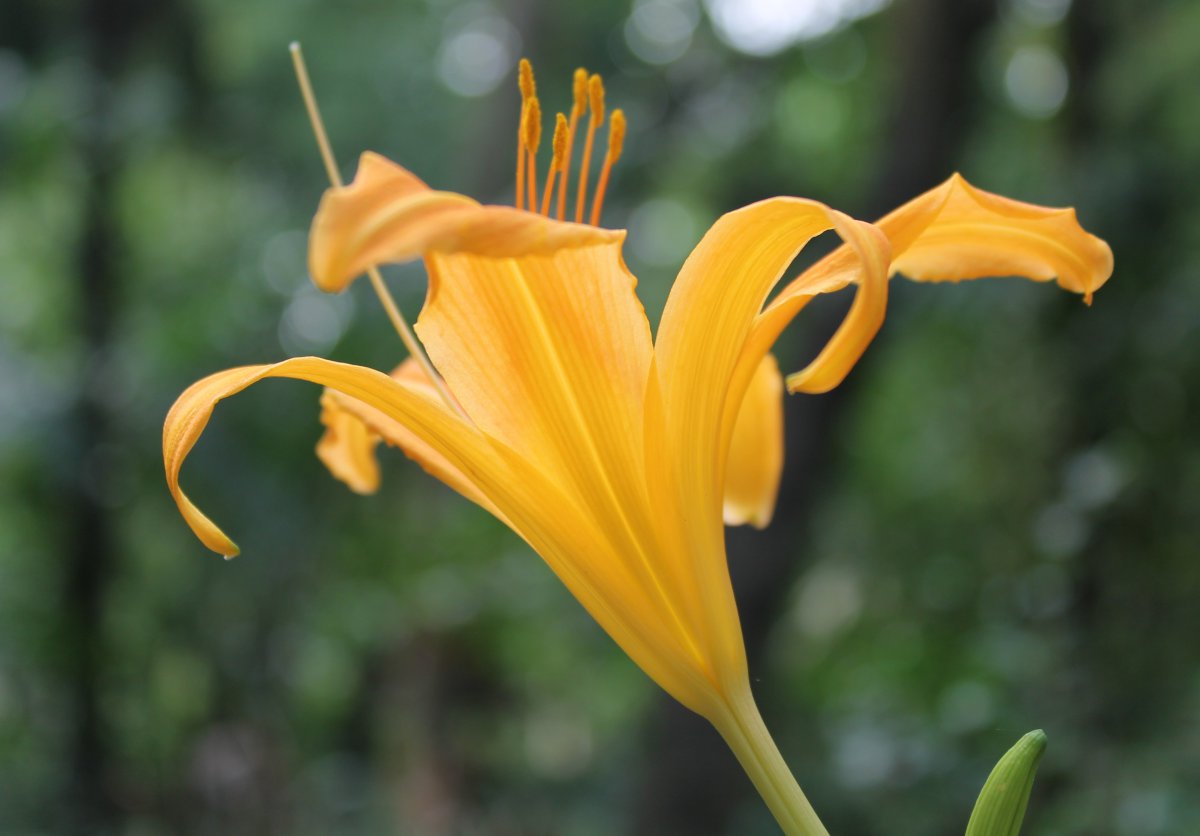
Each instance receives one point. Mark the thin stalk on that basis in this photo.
(743, 729)
(385, 297)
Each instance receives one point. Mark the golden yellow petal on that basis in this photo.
(191, 412)
(549, 520)
(550, 354)
(377, 424)
(703, 372)
(706, 349)
(388, 215)
(952, 232)
(756, 450)
(977, 233)
(347, 447)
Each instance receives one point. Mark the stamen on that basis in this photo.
(533, 138)
(580, 90)
(596, 102)
(616, 142)
(557, 161)
(520, 191)
(528, 89)
(525, 80)
(335, 178)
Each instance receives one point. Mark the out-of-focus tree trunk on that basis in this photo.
(90, 547)
(691, 783)
(107, 28)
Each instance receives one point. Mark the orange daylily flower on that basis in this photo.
(617, 456)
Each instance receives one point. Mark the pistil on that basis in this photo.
(385, 297)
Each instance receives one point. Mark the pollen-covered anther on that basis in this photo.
(558, 161)
(596, 98)
(561, 129)
(528, 87)
(616, 134)
(533, 139)
(533, 125)
(525, 80)
(580, 91)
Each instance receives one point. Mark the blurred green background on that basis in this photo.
(991, 527)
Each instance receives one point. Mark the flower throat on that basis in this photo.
(588, 91)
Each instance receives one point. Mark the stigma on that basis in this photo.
(588, 100)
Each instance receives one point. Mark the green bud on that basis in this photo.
(1002, 801)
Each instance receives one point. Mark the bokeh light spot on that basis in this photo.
(1036, 81)
(660, 31)
(765, 27)
(478, 53)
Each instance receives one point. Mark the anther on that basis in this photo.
(596, 103)
(528, 89)
(558, 161)
(616, 143)
(533, 138)
(525, 80)
(580, 91)
(596, 98)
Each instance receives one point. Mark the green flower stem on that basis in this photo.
(743, 729)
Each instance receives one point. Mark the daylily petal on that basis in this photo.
(567, 539)
(536, 328)
(705, 350)
(388, 215)
(952, 232)
(756, 450)
(550, 354)
(700, 351)
(347, 447)
(977, 233)
(359, 443)
(190, 414)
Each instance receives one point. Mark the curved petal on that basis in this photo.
(347, 448)
(952, 232)
(388, 215)
(977, 233)
(706, 349)
(354, 429)
(191, 412)
(756, 450)
(703, 372)
(568, 540)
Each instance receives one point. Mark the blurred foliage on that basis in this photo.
(1006, 538)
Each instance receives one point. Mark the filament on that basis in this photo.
(595, 117)
(616, 142)
(580, 92)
